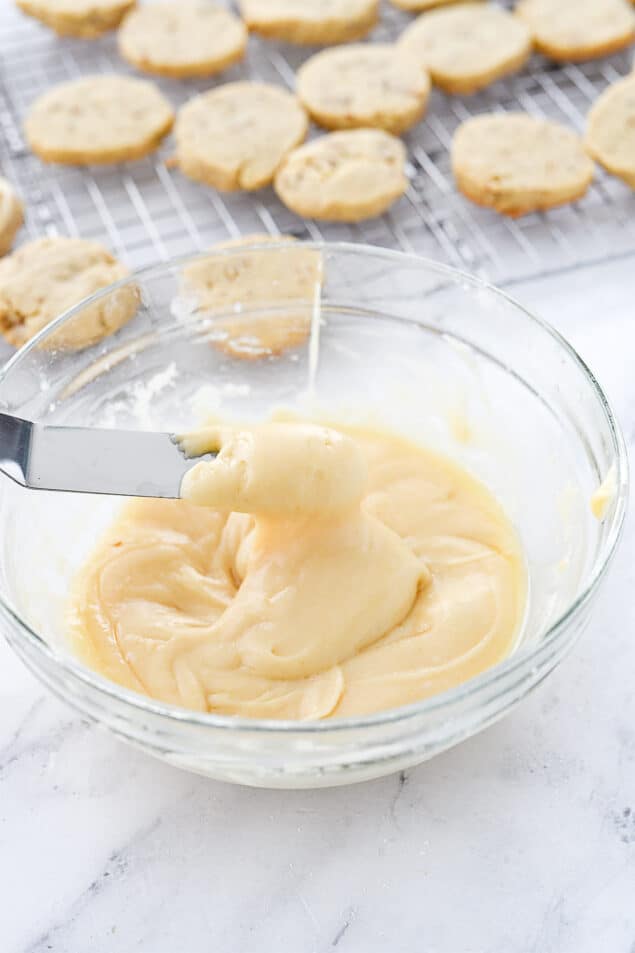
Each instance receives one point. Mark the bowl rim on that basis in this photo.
(474, 688)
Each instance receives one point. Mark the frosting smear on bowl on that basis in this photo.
(308, 572)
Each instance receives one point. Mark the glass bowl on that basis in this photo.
(397, 341)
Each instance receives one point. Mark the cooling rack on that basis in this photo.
(146, 212)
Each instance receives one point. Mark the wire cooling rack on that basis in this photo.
(146, 212)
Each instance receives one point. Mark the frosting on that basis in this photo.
(308, 572)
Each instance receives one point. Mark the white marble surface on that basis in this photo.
(522, 840)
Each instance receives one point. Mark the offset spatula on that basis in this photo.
(85, 460)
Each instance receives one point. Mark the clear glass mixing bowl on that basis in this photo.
(402, 342)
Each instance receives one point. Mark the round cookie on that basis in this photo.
(308, 22)
(235, 136)
(98, 119)
(189, 38)
(11, 215)
(467, 46)
(610, 135)
(515, 163)
(578, 29)
(46, 277)
(83, 18)
(290, 277)
(374, 85)
(344, 176)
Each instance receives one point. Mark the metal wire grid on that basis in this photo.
(146, 212)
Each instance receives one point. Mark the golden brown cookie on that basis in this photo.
(515, 163)
(83, 18)
(11, 215)
(319, 22)
(236, 135)
(46, 277)
(467, 46)
(287, 279)
(610, 135)
(344, 176)
(188, 38)
(371, 85)
(98, 119)
(578, 29)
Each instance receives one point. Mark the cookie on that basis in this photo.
(235, 136)
(578, 29)
(11, 215)
(610, 135)
(288, 278)
(418, 6)
(189, 38)
(515, 163)
(84, 18)
(373, 85)
(467, 46)
(344, 176)
(98, 119)
(46, 277)
(309, 22)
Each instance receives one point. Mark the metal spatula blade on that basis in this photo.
(86, 460)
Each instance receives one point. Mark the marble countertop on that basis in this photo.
(521, 840)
